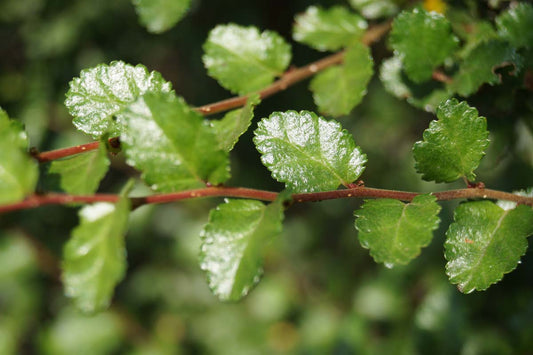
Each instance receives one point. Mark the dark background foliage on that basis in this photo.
(322, 292)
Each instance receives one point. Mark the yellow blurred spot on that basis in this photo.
(435, 5)
(282, 336)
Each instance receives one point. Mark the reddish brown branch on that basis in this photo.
(288, 79)
(440, 76)
(356, 192)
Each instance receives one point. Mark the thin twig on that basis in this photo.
(263, 195)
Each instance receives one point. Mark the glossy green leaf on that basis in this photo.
(485, 242)
(172, 145)
(160, 15)
(103, 91)
(454, 145)
(328, 29)
(18, 171)
(94, 258)
(233, 242)
(373, 9)
(480, 64)
(395, 231)
(82, 173)
(234, 124)
(423, 40)
(337, 90)
(426, 96)
(516, 24)
(307, 152)
(243, 60)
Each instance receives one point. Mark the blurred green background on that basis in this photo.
(321, 292)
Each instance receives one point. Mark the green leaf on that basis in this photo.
(94, 258)
(426, 96)
(485, 242)
(329, 29)
(307, 152)
(373, 9)
(454, 145)
(515, 25)
(82, 173)
(160, 15)
(337, 90)
(423, 40)
(233, 242)
(395, 231)
(234, 124)
(18, 171)
(243, 60)
(173, 146)
(103, 91)
(480, 64)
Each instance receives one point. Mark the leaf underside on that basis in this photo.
(160, 15)
(337, 90)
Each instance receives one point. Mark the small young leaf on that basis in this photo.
(480, 64)
(103, 91)
(233, 242)
(173, 146)
(329, 29)
(82, 173)
(243, 60)
(396, 83)
(234, 124)
(454, 145)
(515, 25)
(307, 152)
(337, 90)
(395, 231)
(18, 171)
(485, 242)
(423, 40)
(160, 15)
(373, 9)
(94, 258)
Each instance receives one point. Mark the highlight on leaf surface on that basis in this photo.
(328, 29)
(233, 243)
(242, 59)
(485, 242)
(337, 90)
(454, 145)
(94, 258)
(479, 66)
(103, 91)
(307, 152)
(186, 154)
(18, 171)
(395, 231)
(81, 174)
(423, 40)
(373, 9)
(515, 25)
(160, 15)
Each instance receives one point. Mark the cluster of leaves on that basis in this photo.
(175, 148)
